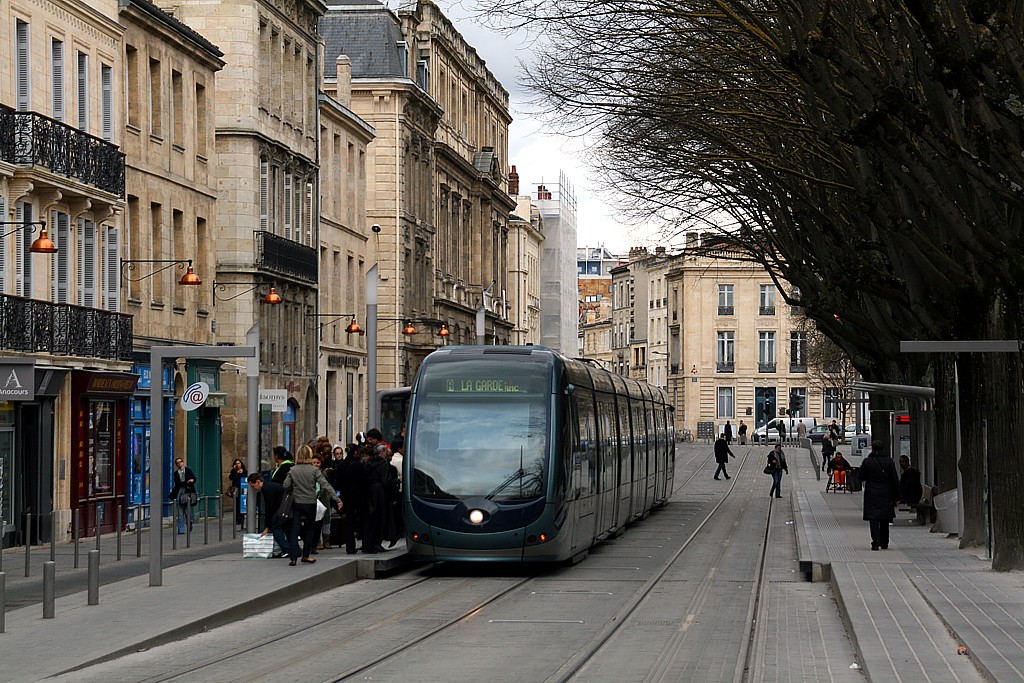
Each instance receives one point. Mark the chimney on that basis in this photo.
(543, 192)
(691, 240)
(513, 182)
(660, 251)
(344, 87)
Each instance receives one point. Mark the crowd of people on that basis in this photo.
(357, 487)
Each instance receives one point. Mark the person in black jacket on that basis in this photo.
(881, 491)
(910, 483)
(282, 463)
(272, 494)
(184, 487)
(349, 482)
(722, 455)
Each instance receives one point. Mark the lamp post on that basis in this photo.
(189, 279)
(272, 297)
(40, 245)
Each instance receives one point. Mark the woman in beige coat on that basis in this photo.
(301, 482)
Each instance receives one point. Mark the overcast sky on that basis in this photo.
(537, 154)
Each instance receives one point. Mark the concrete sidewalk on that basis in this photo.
(195, 596)
(909, 608)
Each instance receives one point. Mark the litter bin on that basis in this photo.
(853, 479)
(946, 507)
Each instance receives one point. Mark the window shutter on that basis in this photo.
(111, 277)
(23, 240)
(287, 206)
(3, 248)
(264, 198)
(62, 231)
(86, 263)
(57, 66)
(83, 91)
(19, 257)
(107, 102)
(23, 93)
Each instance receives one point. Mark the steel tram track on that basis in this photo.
(573, 666)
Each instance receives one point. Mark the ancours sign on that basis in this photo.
(17, 379)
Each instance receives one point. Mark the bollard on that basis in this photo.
(175, 515)
(76, 532)
(3, 601)
(188, 523)
(94, 577)
(28, 543)
(220, 526)
(96, 512)
(206, 521)
(138, 531)
(49, 589)
(118, 532)
(53, 536)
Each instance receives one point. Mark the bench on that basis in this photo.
(925, 508)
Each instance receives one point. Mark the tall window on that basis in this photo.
(86, 263)
(3, 248)
(766, 351)
(800, 394)
(726, 403)
(797, 351)
(725, 299)
(61, 236)
(156, 104)
(201, 131)
(83, 91)
(23, 257)
(264, 195)
(767, 299)
(726, 351)
(833, 403)
(177, 109)
(57, 78)
(111, 270)
(134, 84)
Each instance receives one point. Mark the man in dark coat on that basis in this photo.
(350, 486)
(910, 483)
(881, 491)
(727, 432)
(722, 454)
(273, 524)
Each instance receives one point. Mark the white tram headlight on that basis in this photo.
(476, 516)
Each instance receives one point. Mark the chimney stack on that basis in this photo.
(344, 86)
(513, 182)
(543, 192)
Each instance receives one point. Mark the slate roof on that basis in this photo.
(368, 33)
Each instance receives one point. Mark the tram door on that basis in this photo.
(608, 457)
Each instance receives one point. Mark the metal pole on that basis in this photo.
(986, 498)
(94, 577)
(188, 522)
(49, 588)
(28, 543)
(174, 523)
(118, 532)
(53, 536)
(371, 348)
(3, 601)
(959, 452)
(76, 532)
(96, 514)
(206, 520)
(252, 402)
(156, 467)
(220, 520)
(138, 530)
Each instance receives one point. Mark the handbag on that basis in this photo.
(321, 510)
(254, 545)
(284, 510)
(232, 491)
(188, 497)
(768, 469)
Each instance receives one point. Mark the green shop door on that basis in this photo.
(204, 444)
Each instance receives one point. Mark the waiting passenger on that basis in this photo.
(910, 483)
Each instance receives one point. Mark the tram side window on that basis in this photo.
(585, 412)
(626, 445)
(608, 440)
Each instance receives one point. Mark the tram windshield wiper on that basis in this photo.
(518, 474)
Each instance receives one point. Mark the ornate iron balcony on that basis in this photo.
(765, 367)
(725, 310)
(797, 368)
(285, 256)
(31, 325)
(725, 367)
(31, 139)
(767, 310)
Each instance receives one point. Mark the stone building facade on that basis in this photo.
(267, 146)
(526, 235)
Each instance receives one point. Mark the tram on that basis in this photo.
(520, 454)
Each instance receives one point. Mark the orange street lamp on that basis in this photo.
(42, 244)
(189, 279)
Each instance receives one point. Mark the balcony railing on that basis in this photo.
(30, 325)
(725, 310)
(767, 310)
(285, 256)
(31, 139)
(725, 367)
(797, 368)
(765, 367)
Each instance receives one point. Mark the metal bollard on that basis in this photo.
(49, 588)
(220, 526)
(175, 514)
(96, 512)
(28, 543)
(188, 524)
(138, 531)
(94, 577)
(76, 532)
(53, 536)
(118, 532)
(3, 601)
(206, 521)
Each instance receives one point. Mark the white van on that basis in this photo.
(769, 433)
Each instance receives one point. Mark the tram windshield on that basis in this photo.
(480, 428)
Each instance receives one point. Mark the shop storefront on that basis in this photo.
(100, 447)
(28, 394)
(139, 430)
(203, 427)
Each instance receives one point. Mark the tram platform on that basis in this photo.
(196, 595)
(909, 609)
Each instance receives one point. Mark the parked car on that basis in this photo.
(817, 433)
(769, 433)
(852, 429)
